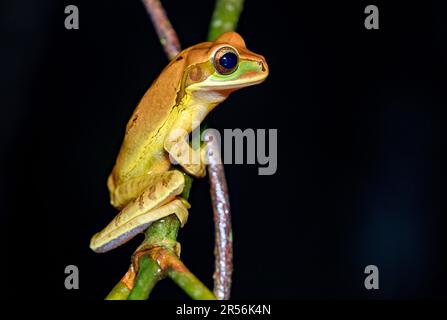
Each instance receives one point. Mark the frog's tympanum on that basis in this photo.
(143, 184)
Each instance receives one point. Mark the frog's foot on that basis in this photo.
(158, 200)
(181, 152)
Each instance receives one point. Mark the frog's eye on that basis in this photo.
(225, 60)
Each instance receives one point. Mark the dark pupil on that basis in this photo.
(228, 60)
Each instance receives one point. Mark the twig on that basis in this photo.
(165, 31)
(225, 18)
(223, 246)
(178, 272)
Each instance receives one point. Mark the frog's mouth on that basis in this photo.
(232, 85)
(238, 84)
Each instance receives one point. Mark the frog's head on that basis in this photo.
(215, 69)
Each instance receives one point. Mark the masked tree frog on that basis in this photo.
(144, 185)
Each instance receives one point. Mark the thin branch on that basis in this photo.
(223, 246)
(165, 31)
(225, 18)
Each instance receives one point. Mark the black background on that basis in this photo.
(359, 119)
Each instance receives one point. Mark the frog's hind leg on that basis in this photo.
(158, 200)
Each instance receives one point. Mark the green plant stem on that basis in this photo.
(188, 281)
(149, 274)
(161, 260)
(162, 233)
(119, 292)
(225, 17)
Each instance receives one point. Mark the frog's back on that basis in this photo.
(142, 148)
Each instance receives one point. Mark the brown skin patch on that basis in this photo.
(152, 193)
(140, 202)
(165, 182)
(132, 123)
(195, 74)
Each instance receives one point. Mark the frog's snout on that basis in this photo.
(263, 65)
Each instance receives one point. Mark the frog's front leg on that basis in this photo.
(176, 142)
(158, 200)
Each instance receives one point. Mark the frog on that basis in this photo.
(148, 176)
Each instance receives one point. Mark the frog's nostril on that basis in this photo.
(262, 65)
